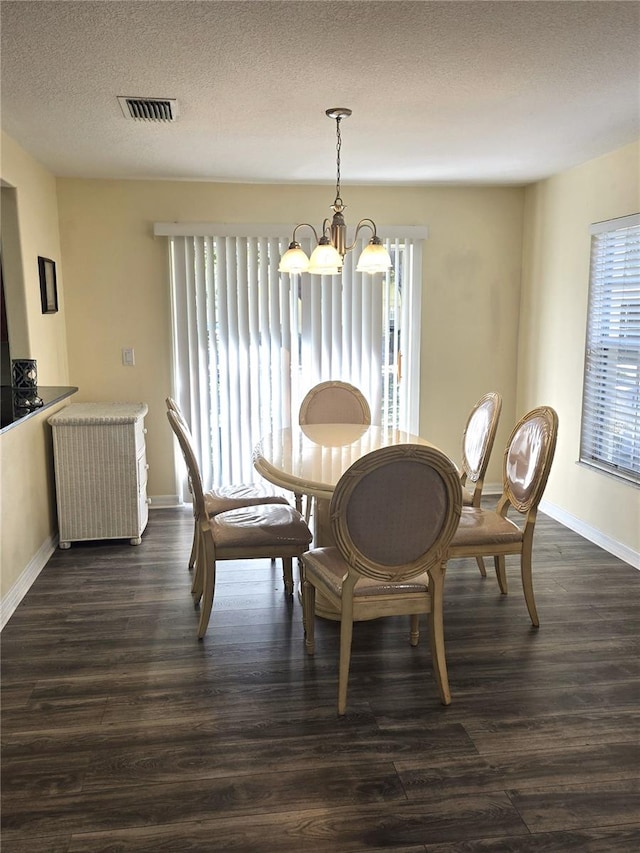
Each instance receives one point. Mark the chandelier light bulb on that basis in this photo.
(294, 260)
(374, 258)
(325, 259)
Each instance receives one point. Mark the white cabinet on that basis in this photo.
(101, 471)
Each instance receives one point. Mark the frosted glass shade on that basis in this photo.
(325, 260)
(294, 261)
(374, 258)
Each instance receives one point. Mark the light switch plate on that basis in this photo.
(128, 357)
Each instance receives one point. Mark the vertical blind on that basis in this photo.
(250, 342)
(610, 436)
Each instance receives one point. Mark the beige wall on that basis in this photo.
(553, 316)
(29, 521)
(32, 333)
(29, 229)
(116, 289)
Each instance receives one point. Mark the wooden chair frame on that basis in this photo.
(210, 552)
(251, 499)
(491, 546)
(172, 406)
(475, 474)
(424, 596)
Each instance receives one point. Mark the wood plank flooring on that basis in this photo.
(122, 732)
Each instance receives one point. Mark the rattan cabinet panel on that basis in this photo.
(101, 471)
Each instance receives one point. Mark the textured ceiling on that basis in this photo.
(454, 92)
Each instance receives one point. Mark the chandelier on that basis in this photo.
(328, 256)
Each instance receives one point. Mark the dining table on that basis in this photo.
(310, 459)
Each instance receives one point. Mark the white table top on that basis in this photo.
(311, 459)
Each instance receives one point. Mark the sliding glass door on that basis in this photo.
(249, 342)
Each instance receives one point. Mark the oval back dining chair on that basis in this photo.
(393, 514)
(525, 471)
(223, 498)
(332, 402)
(477, 444)
(251, 532)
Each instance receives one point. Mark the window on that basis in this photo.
(249, 342)
(610, 437)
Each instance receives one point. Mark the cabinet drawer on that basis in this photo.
(143, 469)
(139, 436)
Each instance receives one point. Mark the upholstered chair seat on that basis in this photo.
(225, 498)
(485, 527)
(269, 525)
(330, 568)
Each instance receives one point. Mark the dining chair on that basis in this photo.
(252, 532)
(332, 402)
(477, 444)
(223, 498)
(393, 514)
(525, 471)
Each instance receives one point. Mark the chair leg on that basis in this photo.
(501, 573)
(414, 629)
(527, 586)
(198, 573)
(196, 588)
(480, 563)
(298, 502)
(346, 634)
(308, 614)
(436, 635)
(193, 556)
(287, 574)
(209, 571)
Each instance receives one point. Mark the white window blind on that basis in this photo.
(250, 342)
(610, 437)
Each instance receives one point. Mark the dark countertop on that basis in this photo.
(13, 414)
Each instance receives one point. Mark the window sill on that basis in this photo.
(620, 478)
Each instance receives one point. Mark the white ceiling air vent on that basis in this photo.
(149, 109)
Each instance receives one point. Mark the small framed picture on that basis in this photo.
(48, 286)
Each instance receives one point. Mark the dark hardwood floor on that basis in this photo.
(122, 732)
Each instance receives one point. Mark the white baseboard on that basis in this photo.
(164, 501)
(492, 489)
(22, 586)
(591, 533)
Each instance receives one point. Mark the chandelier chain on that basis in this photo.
(338, 147)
